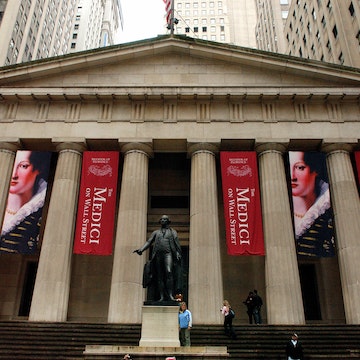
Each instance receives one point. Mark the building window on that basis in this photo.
(284, 2)
(222, 28)
(73, 45)
(304, 39)
(318, 35)
(313, 13)
(187, 29)
(335, 32)
(352, 10)
(196, 29)
(76, 27)
(329, 6)
(74, 36)
(328, 45)
(204, 29)
(300, 52)
(341, 58)
(284, 14)
(323, 21)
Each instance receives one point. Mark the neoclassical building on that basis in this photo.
(169, 106)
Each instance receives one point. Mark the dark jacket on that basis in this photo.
(296, 352)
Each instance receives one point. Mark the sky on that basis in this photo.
(143, 19)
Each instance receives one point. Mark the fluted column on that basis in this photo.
(205, 276)
(51, 292)
(283, 291)
(127, 293)
(346, 205)
(8, 148)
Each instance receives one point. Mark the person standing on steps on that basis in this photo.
(249, 303)
(228, 319)
(185, 324)
(257, 301)
(294, 350)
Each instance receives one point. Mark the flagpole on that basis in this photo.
(172, 18)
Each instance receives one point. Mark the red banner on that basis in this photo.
(97, 200)
(357, 161)
(242, 208)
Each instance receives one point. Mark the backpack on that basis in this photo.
(231, 313)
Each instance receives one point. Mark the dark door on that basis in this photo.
(28, 288)
(310, 293)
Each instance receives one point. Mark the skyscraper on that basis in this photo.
(271, 18)
(324, 30)
(36, 29)
(96, 24)
(2, 9)
(226, 21)
(315, 29)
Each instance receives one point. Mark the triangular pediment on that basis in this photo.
(178, 62)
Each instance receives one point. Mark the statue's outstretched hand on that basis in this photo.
(138, 251)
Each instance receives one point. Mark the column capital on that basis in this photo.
(330, 145)
(10, 144)
(278, 146)
(75, 144)
(194, 146)
(137, 145)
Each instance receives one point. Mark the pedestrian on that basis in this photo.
(249, 303)
(294, 350)
(228, 318)
(185, 324)
(257, 301)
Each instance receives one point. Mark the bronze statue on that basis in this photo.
(164, 268)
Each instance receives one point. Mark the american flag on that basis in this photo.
(168, 10)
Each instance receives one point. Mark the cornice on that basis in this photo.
(183, 45)
(259, 94)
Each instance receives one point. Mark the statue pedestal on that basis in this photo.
(160, 326)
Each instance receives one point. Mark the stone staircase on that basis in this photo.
(26, 341)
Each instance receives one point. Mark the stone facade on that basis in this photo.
(169, 105)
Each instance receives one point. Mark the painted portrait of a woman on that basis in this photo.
(27, 191)
(313, 215)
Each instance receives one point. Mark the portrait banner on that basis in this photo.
(97, 200)
(242, 206)
(27, 193)
(312, 211)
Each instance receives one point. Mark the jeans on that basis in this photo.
(257, 316)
